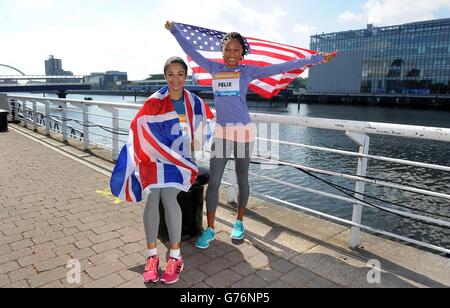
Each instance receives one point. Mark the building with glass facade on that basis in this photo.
(111, 80)
(408, 59)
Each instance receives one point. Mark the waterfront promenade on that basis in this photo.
(55, 207)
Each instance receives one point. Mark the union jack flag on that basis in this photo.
(153, 156)
(261, 53)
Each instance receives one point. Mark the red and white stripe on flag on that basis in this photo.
(263, 53)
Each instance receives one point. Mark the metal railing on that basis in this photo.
(31, 104)
(356, 131)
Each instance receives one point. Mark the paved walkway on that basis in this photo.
(54, 209)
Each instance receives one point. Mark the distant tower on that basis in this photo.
(53, 67)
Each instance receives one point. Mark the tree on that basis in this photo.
(299, 83)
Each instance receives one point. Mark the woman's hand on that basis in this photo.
(328, 56)
(169, 25)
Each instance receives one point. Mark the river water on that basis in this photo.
(410, 149)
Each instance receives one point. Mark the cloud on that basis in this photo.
(303, 29)
(390, 12)
(226, 16)
(34, 4)
(82, 53)
(128, 37)
(302, 35)
(352, 18)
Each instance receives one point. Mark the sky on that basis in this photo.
(104, 35)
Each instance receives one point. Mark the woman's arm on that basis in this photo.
(189, 49)
(271, 70)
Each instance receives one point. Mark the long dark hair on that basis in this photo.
(236, 36)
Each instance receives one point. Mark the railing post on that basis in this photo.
(15, 111)
(86, 126)
(363, 141)
(47, 118)
(85, 108)
(24, 112)
(64, 121)
(18, 106)
(35, 128)
(115, 136)
(115, 133)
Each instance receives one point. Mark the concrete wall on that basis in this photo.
(342, 75)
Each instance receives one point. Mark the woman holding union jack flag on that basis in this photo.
(156, 164)
(218, 59)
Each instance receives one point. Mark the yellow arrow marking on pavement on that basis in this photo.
(107, 194)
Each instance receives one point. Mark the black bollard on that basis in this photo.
(191, 204)
(3, 120)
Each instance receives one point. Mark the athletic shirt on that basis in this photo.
(180, 109)
(231, 85)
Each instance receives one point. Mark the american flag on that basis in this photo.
(153, 157)
(261, 53)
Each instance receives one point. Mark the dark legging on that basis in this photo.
(221, 153)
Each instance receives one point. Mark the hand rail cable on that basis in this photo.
(360, 155)
(351, 223)
(386, 183)
(112, 131)
(105, 128)
(355, 198)
(336, 186)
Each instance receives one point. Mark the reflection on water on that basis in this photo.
(410, 149)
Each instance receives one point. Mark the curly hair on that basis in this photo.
(236, 36)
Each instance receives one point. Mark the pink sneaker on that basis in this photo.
(173, 270)
(151, 272)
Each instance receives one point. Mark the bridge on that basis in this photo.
(12, 68)
(60, 88)
(40, 77)
(40, 83)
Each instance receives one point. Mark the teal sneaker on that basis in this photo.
(207, 236)
(238, 232)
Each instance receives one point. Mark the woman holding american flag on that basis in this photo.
(217, 58)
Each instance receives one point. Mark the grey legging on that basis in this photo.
(221, 153)
(172, 212)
